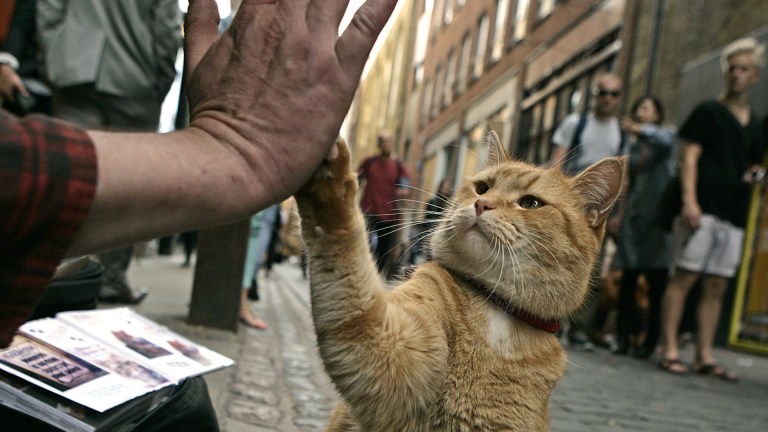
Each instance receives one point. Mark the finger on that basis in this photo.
(324, 15)
(201, 29)
(356, 43)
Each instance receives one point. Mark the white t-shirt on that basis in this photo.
(599, 139)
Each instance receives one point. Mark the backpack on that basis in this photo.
(574, 150)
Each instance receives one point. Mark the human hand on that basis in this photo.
(630, 126)
(10, 81)
(276, 86)
(692, 214)
(754, 175)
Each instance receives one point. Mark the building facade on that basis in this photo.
(513, 66)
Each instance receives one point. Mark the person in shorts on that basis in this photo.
(722, 150)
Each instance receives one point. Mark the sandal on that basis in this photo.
(674, 366)
(717, 371)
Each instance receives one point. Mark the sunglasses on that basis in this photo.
(603, 93)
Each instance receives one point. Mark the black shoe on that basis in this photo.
(622, 346)
(580, 342)
(253, 291)
(642, 353)
(134, 299)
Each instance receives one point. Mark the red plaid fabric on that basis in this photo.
(47, 184)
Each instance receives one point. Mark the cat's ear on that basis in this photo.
(496, 152)
(600, 186)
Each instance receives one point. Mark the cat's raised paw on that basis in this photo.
(330, 195)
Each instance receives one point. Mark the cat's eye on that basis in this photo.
(481, 187)
(530, 202)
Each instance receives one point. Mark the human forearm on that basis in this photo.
(249, 144)
(155, 184)
(689, 169)
(558, 157)
(689, 174)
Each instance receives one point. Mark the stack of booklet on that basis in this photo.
(97, 370)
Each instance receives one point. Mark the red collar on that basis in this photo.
(548, 325)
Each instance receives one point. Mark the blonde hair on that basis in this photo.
(747, 45)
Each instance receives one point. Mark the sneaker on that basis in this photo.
(580, 342)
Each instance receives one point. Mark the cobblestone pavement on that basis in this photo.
(279, 384)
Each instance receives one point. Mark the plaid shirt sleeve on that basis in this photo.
(48, 177)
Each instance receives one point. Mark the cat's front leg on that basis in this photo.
(327, 203)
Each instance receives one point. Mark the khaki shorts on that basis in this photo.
(714, 248)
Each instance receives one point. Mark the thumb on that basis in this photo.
(201, 29)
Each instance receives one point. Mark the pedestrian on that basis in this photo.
(258, 241)
(721, 155)
(435, 209)
(99, 190)
(22, 90)
(111, 63)
(579, 141)
(386, 181)
(642, 247)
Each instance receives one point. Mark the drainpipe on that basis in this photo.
(653, 53)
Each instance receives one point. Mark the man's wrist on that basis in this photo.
(9, 60)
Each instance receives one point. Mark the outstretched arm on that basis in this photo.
(276, 85)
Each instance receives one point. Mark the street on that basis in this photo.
(278, 383)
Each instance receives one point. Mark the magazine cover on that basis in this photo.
(153, 345)
(67, 375)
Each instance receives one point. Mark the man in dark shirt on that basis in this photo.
(721, 155)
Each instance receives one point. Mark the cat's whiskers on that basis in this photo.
(533, 238)
(432, 194)
(571, 154)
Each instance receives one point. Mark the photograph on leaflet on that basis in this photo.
(51, 366)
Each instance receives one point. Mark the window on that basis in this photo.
(426, 102)
(502, 9)
(437, 96)
(448, 15)
(461, 79)
(451, 158)
(545, 8)
(437, 16)
(450, 78)
(418, 74)
(521, 21)
(480, 47)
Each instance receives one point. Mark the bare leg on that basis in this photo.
(710, 304)
(247, 316)
(672, 309)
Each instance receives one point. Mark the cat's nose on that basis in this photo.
(482, 205)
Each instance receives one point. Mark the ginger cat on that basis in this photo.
(466, 343)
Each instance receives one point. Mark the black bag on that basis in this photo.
(670, 204)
